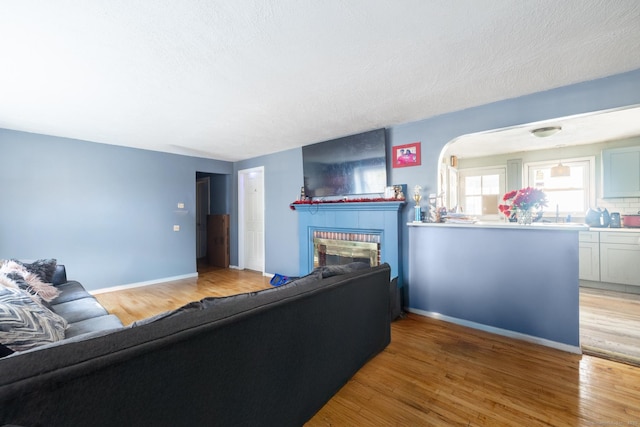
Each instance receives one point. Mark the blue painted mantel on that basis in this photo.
(352, 217)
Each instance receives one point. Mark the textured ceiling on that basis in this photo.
(234, 79)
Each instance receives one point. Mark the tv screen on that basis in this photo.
(352, 165)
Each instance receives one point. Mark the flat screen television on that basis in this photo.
(348, 166)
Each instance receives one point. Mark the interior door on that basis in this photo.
(252, 213)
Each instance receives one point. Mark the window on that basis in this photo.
(566, 195)
(481, 191)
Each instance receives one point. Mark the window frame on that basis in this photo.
(499, 170)
(590, 190)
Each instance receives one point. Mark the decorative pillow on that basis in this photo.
(24, 324)
(43, 268)
(16, 273)
(6, 281)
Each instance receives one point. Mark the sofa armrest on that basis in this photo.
(59, 276)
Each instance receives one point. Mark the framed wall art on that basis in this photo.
(406, 155)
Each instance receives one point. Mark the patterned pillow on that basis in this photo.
(24, 324)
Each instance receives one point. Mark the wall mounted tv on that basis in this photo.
(352, 165)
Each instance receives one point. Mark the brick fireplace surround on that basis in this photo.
(381, 219)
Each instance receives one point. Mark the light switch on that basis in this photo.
(180, 205)
(176, 228)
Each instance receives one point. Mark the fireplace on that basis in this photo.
(337, 248)
(352, 223)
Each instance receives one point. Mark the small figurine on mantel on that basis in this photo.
(399, 194)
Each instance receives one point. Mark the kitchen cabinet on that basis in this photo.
(514, 174)
(621, 172)
(620, 258)
(589, 255)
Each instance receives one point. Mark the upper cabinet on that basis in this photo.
(621, 172)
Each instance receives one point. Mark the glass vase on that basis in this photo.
(525, 216)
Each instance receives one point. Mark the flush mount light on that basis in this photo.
(546, 131)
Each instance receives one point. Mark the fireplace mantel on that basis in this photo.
(354, 217)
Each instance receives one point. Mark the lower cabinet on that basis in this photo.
(620, 258)
(589, 255)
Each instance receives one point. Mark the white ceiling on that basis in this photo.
(235, 79)
(582, 129)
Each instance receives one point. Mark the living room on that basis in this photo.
(108, 208)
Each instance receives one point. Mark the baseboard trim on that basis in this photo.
(264, 273)
(498, 331)
(141, 284)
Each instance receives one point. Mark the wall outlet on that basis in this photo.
(176, 228)
(180, 205)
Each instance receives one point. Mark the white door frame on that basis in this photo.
(241, 225)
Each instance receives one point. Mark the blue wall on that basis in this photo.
(283, 171)
(282, 182)
(107, 212)
(531, 288)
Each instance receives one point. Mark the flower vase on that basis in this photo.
(525, 216)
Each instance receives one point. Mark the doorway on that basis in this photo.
(251, 219)
(212, 198)
(203, 208)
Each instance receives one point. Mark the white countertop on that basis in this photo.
(509, 225)
(616, 230)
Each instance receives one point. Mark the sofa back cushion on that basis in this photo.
(286, 352)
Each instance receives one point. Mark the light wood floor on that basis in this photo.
(610, 324)
(440, 374)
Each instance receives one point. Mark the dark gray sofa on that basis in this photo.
(78, 312)
(79, 308)
(269, 358)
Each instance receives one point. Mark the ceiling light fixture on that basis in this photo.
(560, 170)
(546, 131)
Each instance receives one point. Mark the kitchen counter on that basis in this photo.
(515, 280)
(569, 226)
(616, 230)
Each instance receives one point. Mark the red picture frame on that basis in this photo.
(406, 155)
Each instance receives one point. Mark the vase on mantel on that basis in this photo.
(525, 216)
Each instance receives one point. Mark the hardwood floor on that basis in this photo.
(437, 373)
(139, 303)
(610, 324)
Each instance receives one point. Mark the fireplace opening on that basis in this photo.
(335, 248)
